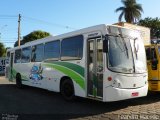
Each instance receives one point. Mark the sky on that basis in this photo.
(61, 16)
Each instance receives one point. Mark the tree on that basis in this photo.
(2, 50)
(153, 24)
(131, 11)
(33, 36)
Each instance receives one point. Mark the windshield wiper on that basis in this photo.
(125, 45)
(135, 50)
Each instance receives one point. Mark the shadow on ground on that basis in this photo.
(35, 102)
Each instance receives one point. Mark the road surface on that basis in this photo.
(38, 104)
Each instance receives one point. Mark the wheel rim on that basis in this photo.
(68, 90)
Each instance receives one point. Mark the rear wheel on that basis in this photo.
(18, 81)
(67, 90)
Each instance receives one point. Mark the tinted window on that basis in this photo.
(26, 53)
(72, 48)
(153, 54)
(52, 50)
(148, 53)
(37, 53)
(7, 57)
(17, 58)
(8, 54)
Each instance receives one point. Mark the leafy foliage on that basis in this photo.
(130, 10)
(2, 50)
(33, 36)
(153, 24)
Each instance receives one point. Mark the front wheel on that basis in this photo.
(67, 90)
(19, 81)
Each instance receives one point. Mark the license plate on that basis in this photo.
(135, 94)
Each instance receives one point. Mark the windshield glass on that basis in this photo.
(138, 49)
(138, 54)
(126, 50)
(120, 54)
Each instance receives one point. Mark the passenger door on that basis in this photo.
(95, 68)
(11, 76)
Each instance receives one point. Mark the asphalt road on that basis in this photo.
(38, 104)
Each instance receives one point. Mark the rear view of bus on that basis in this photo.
(125, 75)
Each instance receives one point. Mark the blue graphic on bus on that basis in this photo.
(36, 73)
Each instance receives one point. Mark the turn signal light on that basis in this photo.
(109, 78)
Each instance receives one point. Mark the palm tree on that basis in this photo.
(131, 11)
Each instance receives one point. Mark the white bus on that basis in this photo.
(103, 62)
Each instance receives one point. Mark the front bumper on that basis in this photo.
(116, 94)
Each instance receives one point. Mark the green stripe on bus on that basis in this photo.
(14, 73)
(74, 67)
(69, 72)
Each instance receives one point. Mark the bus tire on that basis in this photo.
(67, 90)
(19, 81)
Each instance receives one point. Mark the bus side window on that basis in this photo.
(52, 50)
(8, 54)
(148, 53)
(154, 59)
(8, 57)
(72, 48)
(33, 55)
(25, 55)
(17, 58)
(153, 54)
(37, 53)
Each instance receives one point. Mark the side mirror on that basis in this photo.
(105, 46)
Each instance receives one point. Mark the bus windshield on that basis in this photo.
(126, 55)
(120, 55)
(138, 54)
(138, 50)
